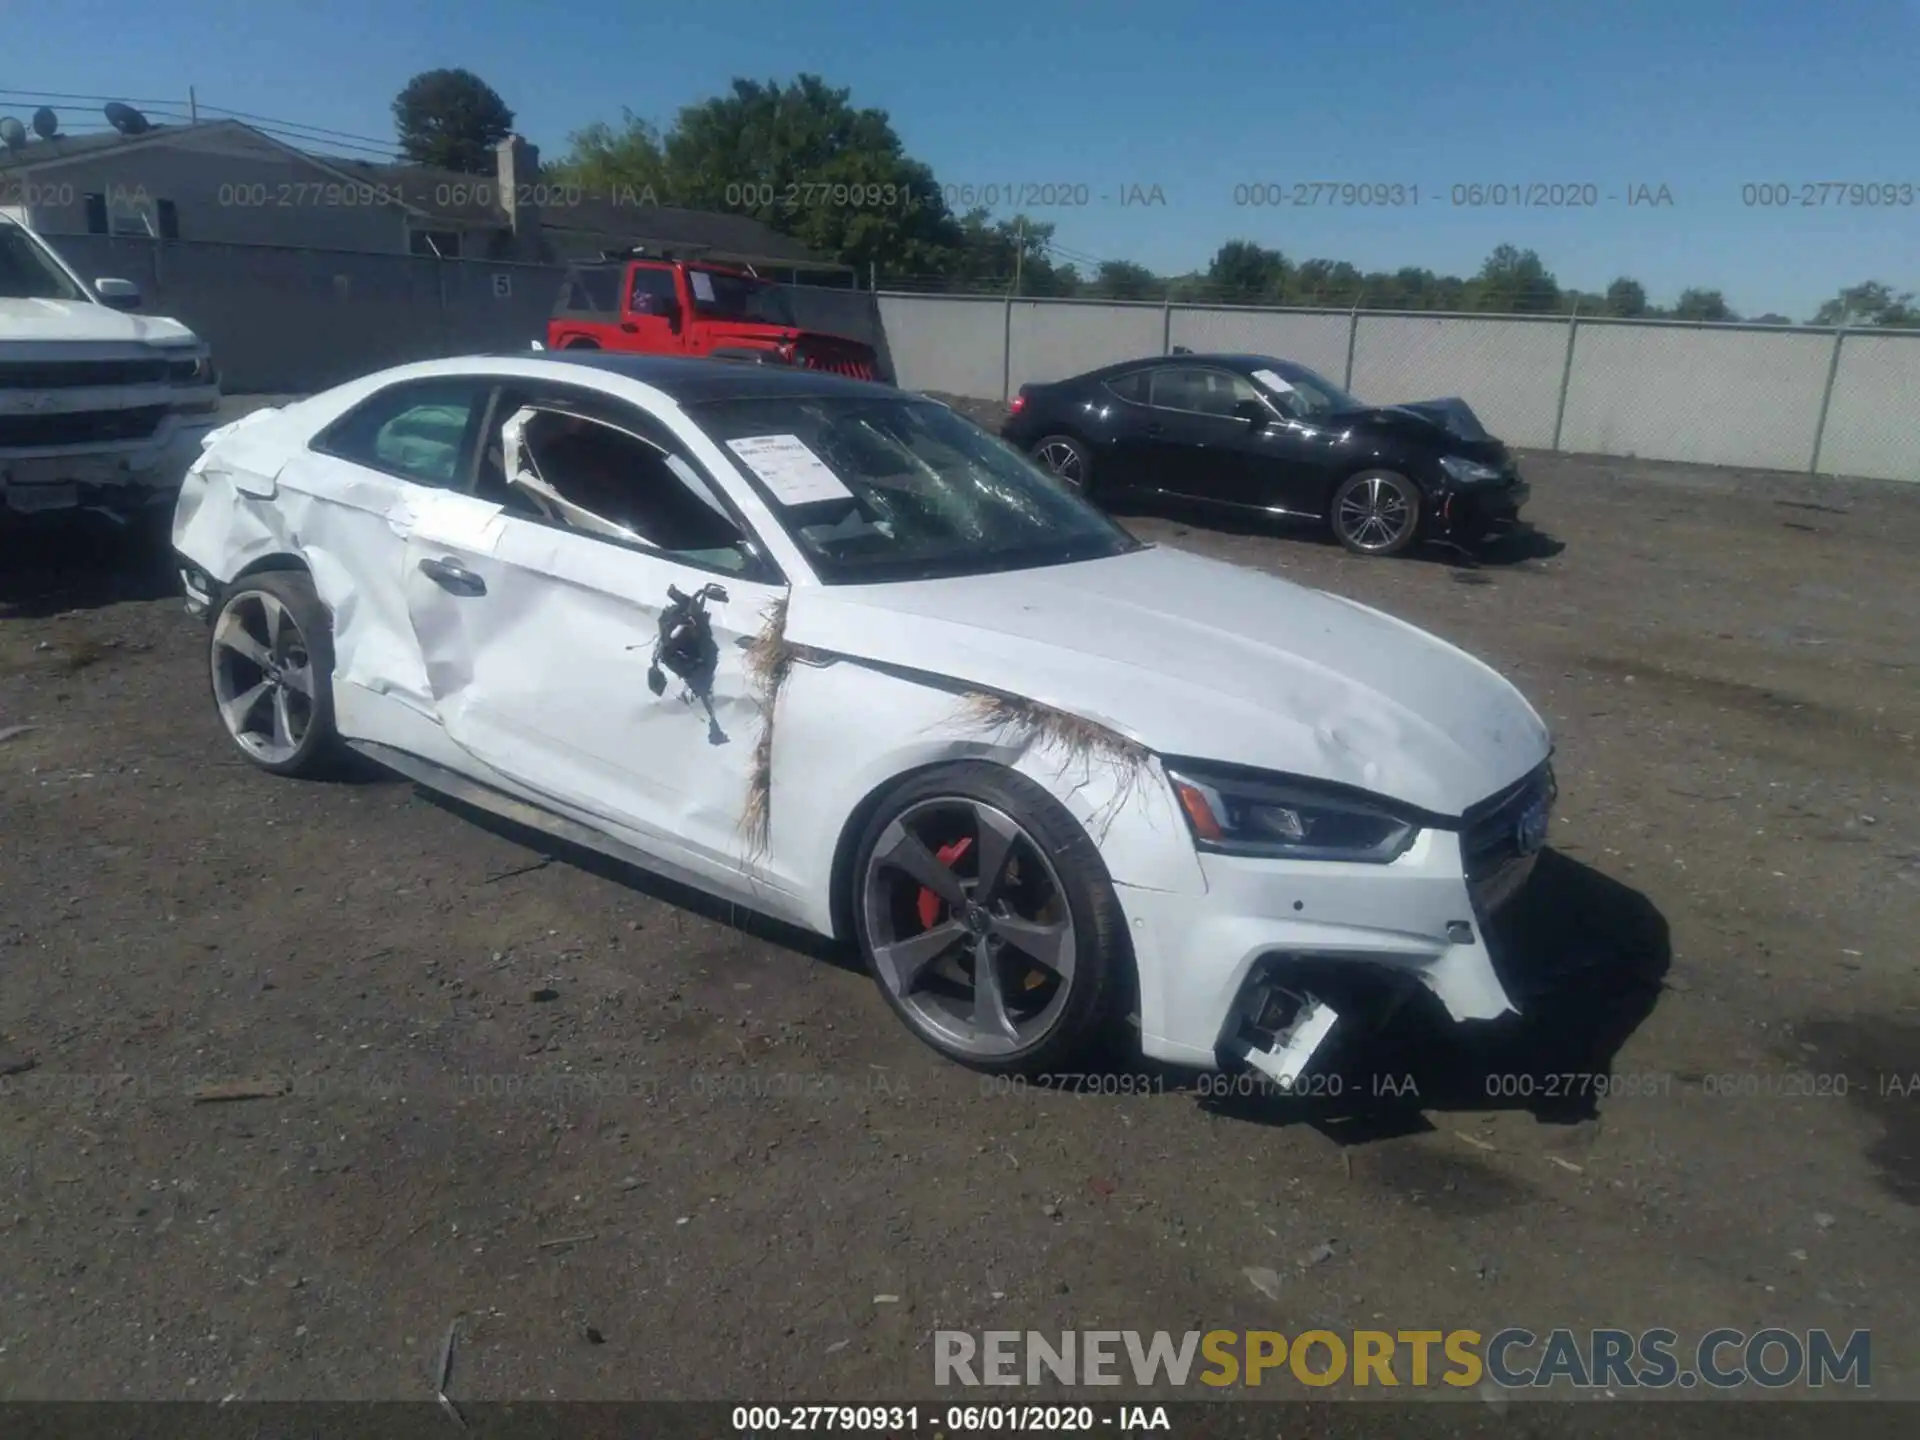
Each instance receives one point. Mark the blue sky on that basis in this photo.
(1701, 96)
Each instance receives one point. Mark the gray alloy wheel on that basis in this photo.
(271, 663)
(987, 917)
(1376, 513)
(1066, 458)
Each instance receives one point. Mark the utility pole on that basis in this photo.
(1019, 250)
(193, 107)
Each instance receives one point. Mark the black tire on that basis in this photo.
(581, 344)
(1090, 1016)
(1067, 459)
(1376, 513)
(317, 750)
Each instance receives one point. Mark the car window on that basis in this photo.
(590, 292)
(653, 292)
(600, 474)
(28, 273)
(418, 430)
(1130, 387)
(1209, 392)
(889, 487)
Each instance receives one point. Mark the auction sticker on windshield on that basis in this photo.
(1273, 382)
(794, 474)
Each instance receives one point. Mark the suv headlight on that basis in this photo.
(190, 370)
(1287, 819)
(1468, 472)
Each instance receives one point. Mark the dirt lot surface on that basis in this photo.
(646, 1151)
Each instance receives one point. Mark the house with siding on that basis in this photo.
(226, 182)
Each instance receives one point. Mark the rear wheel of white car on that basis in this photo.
(1376, 513)
(1068, 460)
(270, 656)
(988, 920)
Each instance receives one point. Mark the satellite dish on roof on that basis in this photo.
(126, 119)
(13, 133)
(46, 124)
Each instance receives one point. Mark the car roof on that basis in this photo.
(1229, 360)
(689, 381)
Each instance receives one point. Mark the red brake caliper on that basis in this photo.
(929, 903)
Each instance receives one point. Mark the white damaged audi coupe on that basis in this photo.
(831, 651)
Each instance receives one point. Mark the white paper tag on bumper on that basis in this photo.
(794, 474)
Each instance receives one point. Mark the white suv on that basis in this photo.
(98, 410)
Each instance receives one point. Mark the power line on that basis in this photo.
(293, 125)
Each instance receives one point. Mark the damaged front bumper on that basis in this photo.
(123, 482)
(1262, 968)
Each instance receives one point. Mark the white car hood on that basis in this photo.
(1198, 658)
(81, 320)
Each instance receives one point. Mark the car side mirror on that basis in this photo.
(1254, 413)
(117, 294)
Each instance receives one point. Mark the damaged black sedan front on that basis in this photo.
(1258, 434)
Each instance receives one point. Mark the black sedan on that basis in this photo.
(1260, 434)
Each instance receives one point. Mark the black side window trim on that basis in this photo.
(463, 466)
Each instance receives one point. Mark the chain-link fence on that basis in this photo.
(1761, 395)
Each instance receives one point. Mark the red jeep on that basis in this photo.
(662, 306)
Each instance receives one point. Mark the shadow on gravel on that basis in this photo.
(55, 563)
(547, 849)
(1585, 958)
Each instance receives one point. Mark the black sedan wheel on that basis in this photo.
(1376, 513)
(1067, 459)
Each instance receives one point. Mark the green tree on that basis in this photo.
(1124, 280)
(802, 159)
(1626, 299)
(451, 119)
(1246, 273)
(1698, 304)
(993, 254)
(628, 162)
(1869, 303)
(1332, 283)
(1516, 282)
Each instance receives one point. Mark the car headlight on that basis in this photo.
(190, 370)
(1287, 819)
(1468, 472)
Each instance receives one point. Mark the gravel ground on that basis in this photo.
(648, 1149)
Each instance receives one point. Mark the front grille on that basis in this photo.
(1496, 864)
(81, 427)
(854, 368)
(78, 374)
(1490, 835)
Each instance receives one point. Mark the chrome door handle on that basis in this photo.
(453, 577)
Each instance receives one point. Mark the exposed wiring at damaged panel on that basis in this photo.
(685, 648)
